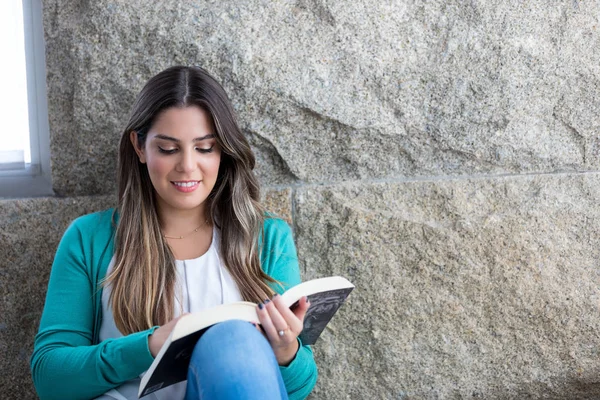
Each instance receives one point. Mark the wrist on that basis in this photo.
(286, 355)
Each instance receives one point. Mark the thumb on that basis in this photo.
(303, 305)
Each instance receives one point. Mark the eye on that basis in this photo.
(209, 150)
(166, 151)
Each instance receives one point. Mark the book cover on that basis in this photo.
(323, 306)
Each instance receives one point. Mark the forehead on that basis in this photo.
(185, 123)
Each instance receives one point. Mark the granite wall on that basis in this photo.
(442, 155)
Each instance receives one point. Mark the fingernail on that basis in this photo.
(267, 301)
(275, 295)
(260, 306)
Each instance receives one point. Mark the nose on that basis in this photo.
(187, 161)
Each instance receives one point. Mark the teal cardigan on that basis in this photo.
(67, 360)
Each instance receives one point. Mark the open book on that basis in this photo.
(170, 366)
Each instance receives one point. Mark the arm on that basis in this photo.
(64, 363)
(281, 263)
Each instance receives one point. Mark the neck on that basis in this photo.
(177, 222)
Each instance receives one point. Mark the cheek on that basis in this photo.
(158, 167)
(212, 167)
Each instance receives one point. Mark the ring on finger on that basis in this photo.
(282, 332)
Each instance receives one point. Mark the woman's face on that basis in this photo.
(182, 156)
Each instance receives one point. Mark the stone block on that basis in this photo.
(475, 288)
(279, 203)
(337, 91)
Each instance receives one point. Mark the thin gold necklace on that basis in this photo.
(191, 233)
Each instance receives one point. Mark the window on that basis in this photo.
(24, 136)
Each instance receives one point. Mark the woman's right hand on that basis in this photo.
(159, 336)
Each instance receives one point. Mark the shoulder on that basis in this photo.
(276, 233)
(276, 225)
(99, 218)
(85, 244)
(278, 254)
(91, 230)
(97, 223)
(277, 241)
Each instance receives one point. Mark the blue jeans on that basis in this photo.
(232, 360)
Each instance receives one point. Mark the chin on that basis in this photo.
(186, 205)
(182, 204)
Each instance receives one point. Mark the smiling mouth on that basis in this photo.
(186, 184)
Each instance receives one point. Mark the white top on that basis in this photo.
(201, 283)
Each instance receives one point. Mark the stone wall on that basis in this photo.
(442, 155)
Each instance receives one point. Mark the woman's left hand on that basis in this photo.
(282, 326)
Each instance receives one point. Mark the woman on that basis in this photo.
(188, 233)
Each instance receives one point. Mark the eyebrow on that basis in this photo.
(172, 139)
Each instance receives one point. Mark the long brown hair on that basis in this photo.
(143, 278)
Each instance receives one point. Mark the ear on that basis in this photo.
(134, 142)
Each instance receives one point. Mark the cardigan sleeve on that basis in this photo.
(281, 263)
(65, 363)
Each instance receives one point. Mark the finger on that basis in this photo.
(291, 320)
(266, 323)
(279, 322)
(302, 308)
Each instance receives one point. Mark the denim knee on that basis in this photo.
(236, 328)
(234, 338)
(233, 360)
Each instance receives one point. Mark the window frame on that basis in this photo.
(35, 179)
